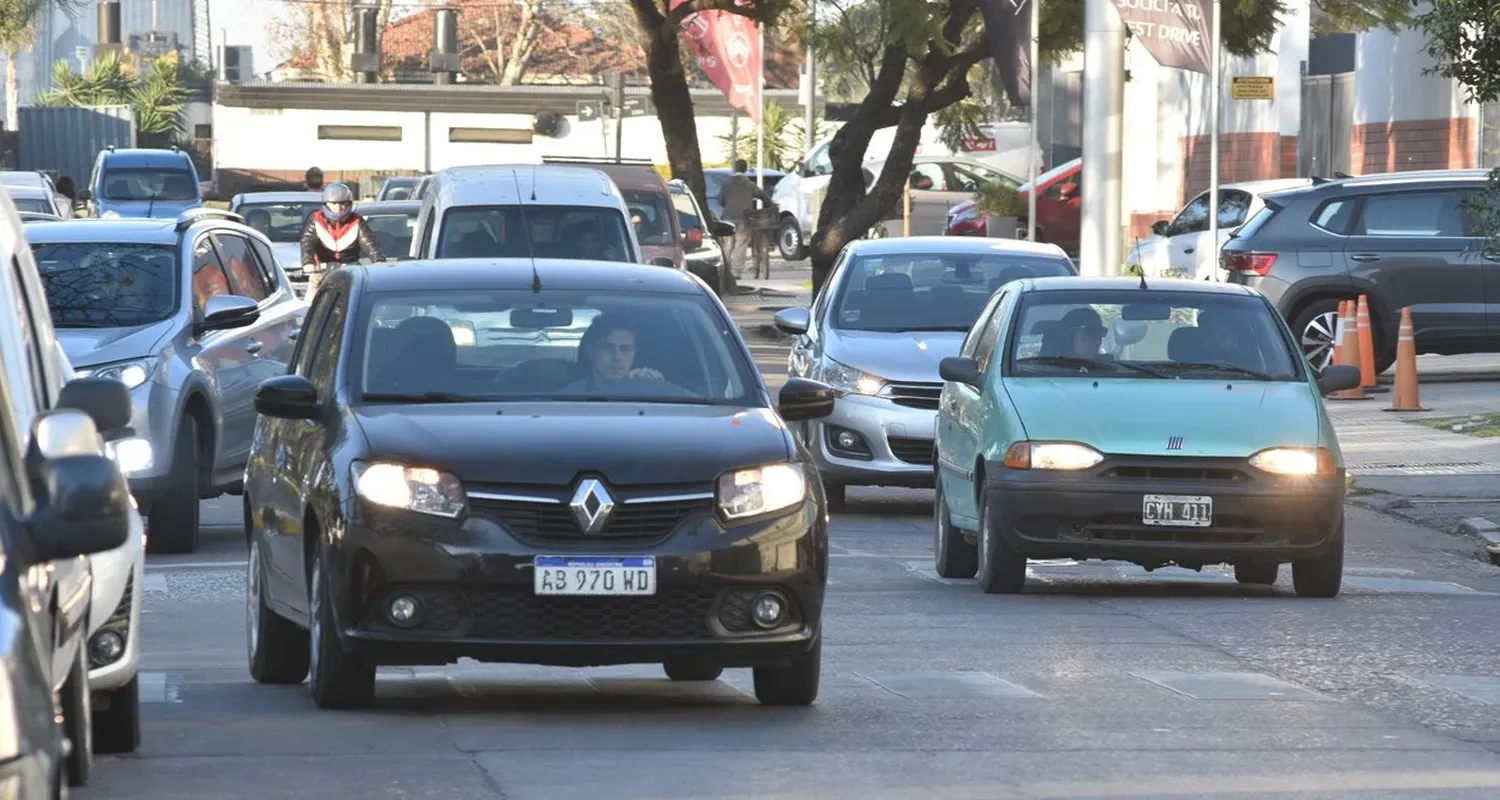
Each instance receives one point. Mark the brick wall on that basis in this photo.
(1288, 157)
(1412, 145)
(1141, 222)
(232, 181)
(1242, 157)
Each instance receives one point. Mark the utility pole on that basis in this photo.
(1100, 238)
(811, 76)
(619, 79)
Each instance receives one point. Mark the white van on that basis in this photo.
(800, 194)
(524, 211)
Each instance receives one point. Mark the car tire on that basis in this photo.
(279, 650)
(1322, 576)
(173, 520)
(1001, 569)
(953, 555)
(78, 720)
(1257, 573)
(793, 685)
(1314, 326)
(336, 677)
(117, 729)
(692, 670)
(789, 239)
(835, 493)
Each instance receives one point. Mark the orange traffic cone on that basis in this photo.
(1348, 350)
(1366, 345)
(1405, 397)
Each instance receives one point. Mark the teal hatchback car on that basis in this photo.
(1170, 424)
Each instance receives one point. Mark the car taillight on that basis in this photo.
(1250, 263)
(695, 237)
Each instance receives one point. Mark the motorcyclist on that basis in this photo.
(335, 235)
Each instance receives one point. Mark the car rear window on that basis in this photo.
(649, 214)
(1257, 222)
(1335, 216)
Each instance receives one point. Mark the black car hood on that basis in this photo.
(551, 443)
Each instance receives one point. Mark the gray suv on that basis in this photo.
(191, 315)
(1401, 238)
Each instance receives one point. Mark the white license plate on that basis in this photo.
(1178, 510)
(595, 575)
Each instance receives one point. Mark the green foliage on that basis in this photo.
(17, 18)
(999, 199)
(158, 98)
(785, 140)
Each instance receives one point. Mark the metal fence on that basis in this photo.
(68, 139)
(1327, 124)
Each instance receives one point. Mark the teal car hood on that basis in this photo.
(1126, 416)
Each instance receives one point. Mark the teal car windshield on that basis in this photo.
(931, 291)
(1134, 333)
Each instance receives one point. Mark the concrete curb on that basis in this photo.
(1488, 534)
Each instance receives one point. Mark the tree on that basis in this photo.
(784, 138)
(17, 30)
(157, 98)
(506, 34)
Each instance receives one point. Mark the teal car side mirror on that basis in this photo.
(959, 369)
(1338, 377)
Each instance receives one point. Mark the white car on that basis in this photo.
(1181, 248)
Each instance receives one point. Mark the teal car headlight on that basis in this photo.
(1061, 456)
(1295, 461)
(849, 379)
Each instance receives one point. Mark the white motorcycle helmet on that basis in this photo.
(338, 202)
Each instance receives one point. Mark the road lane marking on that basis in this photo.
(160, 687)
(197, 565)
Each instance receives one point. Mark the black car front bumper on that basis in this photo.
(1097, 513)
(474, 582)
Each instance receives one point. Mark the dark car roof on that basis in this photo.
(1115, 283)
(408, 207)
(482, 274)
(1360, 184)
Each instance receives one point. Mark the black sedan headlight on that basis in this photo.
(761, 490)
(421, 489)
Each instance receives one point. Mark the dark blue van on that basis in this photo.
(141, 183)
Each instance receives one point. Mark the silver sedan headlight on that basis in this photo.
(848, 379)
(131, 373)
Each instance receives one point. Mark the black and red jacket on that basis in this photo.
(342, 242)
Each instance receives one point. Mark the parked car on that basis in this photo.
(937, 184)
(892, 309)
(1180, 248)
(398, 188)
(31, 199)
(713, 180)
(1061, 436)
(604, 532)
(540, 211)
(1058, 207)
(394, 224)
(703, 251)
(32, 216)
(159, 184)
(281, 217)
(650, 205)
(57, 203)
(1401, 239)
(191, 315)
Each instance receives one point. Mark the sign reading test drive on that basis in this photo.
(1174, 32)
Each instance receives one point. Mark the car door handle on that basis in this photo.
(1187, 249)
(253, 347)
(1365, 257)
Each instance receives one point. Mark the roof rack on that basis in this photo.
(603, 160)
(187, 218)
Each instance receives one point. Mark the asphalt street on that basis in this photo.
(1101, 681)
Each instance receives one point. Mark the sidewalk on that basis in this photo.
(790, 286)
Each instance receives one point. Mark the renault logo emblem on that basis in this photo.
(591, 506)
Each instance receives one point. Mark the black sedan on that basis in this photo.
(556, 463)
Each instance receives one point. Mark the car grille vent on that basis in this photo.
(1177, 473)
(546, 523)
(911, 450)
(915, 395)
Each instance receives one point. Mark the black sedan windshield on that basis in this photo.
(930, 292)
(108, 285)
(1139, 333)
(556, 345)
(280, 222)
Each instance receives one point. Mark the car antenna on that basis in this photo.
(536, 279)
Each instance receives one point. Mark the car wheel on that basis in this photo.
(1322, 576)
(692, 669)
(1315, 327)
(337, 678)
(1001, 569)
(792, 685)
(279, 650)
(78, 721)
(835, 494)
(954, 556)
(173, 523)
(789, 239)
(1258, 574)
(117, 729)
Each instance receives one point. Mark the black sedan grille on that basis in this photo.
(671, 614)
(911, 450)
(547, 523)
(915, 395)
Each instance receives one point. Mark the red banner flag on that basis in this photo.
(728, 49)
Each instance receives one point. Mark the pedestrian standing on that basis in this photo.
(738, 196)
(314, 179)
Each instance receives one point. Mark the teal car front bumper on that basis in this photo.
(1098, 513)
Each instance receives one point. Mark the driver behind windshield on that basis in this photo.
(1221, 342)
(607, 354)
(1079, 334)
(259, 219)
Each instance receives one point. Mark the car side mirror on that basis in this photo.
(801, 400)
(795, 321)
(1068, 191)
(106, 401)
(1160, 227)
(228, 311)
(288, 397)
(86, 510)
(722, 229)
(1338, 377)
(959, 369)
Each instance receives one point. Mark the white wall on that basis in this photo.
(1391, 84)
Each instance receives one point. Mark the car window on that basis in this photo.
(1055, 190)
(393, 232)
(427, 240)
(108, 285)
(534, 231)
(819, 163)
(1140, 333)
(245, 276)
(687, 211)
(15, 491)
(968, 177)
(1336, 216)
(1233, 208)
(928, 177)
(37, 205)
(280, 222)
(267, 261)
(984, 347)
(150, 183)
(649, 215)
(971, 340)
(325, 362)
(209, 279)
(1193, 217)
(564, 344)
(1434, 213)
(308, 342)
(930, 291)
(30, 339)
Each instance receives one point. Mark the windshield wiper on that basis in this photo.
(63, 325)
(625, 398)
(924, 328)
(1075, 361)
(1185, 366)
(423, 397)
